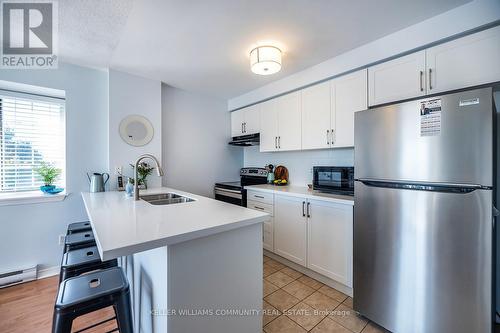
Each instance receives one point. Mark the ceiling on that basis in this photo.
(202, 46)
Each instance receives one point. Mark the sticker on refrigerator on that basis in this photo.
(430, 118)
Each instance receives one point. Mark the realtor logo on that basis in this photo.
(29, 34)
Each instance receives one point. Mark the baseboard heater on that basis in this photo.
(15, 277)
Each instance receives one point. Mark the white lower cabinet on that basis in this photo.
(264, 202)
(329, 240)
(290, 228)
(316, 234)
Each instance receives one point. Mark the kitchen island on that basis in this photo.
(193, 266)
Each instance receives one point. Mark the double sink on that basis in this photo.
(165, 198)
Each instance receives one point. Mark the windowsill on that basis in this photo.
(32, 197)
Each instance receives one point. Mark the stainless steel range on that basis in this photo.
(234, 192)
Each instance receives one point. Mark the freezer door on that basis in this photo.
(423, 260)
(453, 145)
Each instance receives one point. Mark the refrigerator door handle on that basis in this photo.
(424, 186)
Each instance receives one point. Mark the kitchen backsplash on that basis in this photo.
(299, 163)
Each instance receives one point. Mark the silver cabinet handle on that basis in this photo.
(303, 209)
(242, 130)
(333, 137)
(327, 137)
(258, 196)
(308, 209)
(245, 127)
(421, 81)
(259, 208)
(276, 142)
(430, 78)
(279, 142)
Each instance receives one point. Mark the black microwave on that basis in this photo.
(334, 179)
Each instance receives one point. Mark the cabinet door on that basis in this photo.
(267, 235)
(252, 119)
(268, 126)
(290, 228)
(464, 62)
(349, 96)
(330, 232)
(237, 120)
(289, 122)
(397, 79)
(316, 116)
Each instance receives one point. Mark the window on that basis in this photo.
(32, 131)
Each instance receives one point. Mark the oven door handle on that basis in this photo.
(227, 190)
(228, 193)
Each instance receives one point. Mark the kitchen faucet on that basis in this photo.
(139, 159)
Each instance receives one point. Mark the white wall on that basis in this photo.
(299, 163)
(129, 95)
(29, 233)
(196, 130)
(453, 22)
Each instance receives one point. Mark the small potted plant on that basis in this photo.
(49, 174)
(143, 171)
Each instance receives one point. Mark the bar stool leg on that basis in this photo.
(63, 275)
(123, 312)
(61, 323)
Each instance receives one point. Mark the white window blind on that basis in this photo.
(32, 131)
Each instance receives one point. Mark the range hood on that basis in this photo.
(246, 140)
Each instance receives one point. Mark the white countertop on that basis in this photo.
(303, 192)
(123, 226)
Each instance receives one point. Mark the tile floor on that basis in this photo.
(295, 303)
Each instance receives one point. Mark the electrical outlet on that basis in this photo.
(118, 170)
(61, 239)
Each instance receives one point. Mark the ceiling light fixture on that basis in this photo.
(265, 60)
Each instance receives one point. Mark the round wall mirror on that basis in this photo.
(136, 130)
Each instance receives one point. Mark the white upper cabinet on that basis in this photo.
(322, 116)
(464, 62)
(245, 121)
(328, 111)
(316, 116)
(281, 123)
(237, 120)
(268, 126)
(289, 122)
(398, 79)
(348, 95)
(330, 240)
(252, 119)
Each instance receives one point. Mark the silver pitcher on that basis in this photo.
(97, 181)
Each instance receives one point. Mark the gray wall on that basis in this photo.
(29, 233)
(132, 95)
(196, 130)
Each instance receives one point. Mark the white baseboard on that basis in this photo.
(48, 272)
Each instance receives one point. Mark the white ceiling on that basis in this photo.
(202, 46)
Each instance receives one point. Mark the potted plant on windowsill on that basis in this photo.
(49, 174)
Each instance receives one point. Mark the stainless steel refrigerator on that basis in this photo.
(423, 220)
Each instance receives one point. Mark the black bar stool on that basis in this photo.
(78, 227)
(90, 292)
(78, 240)
(77, 262)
